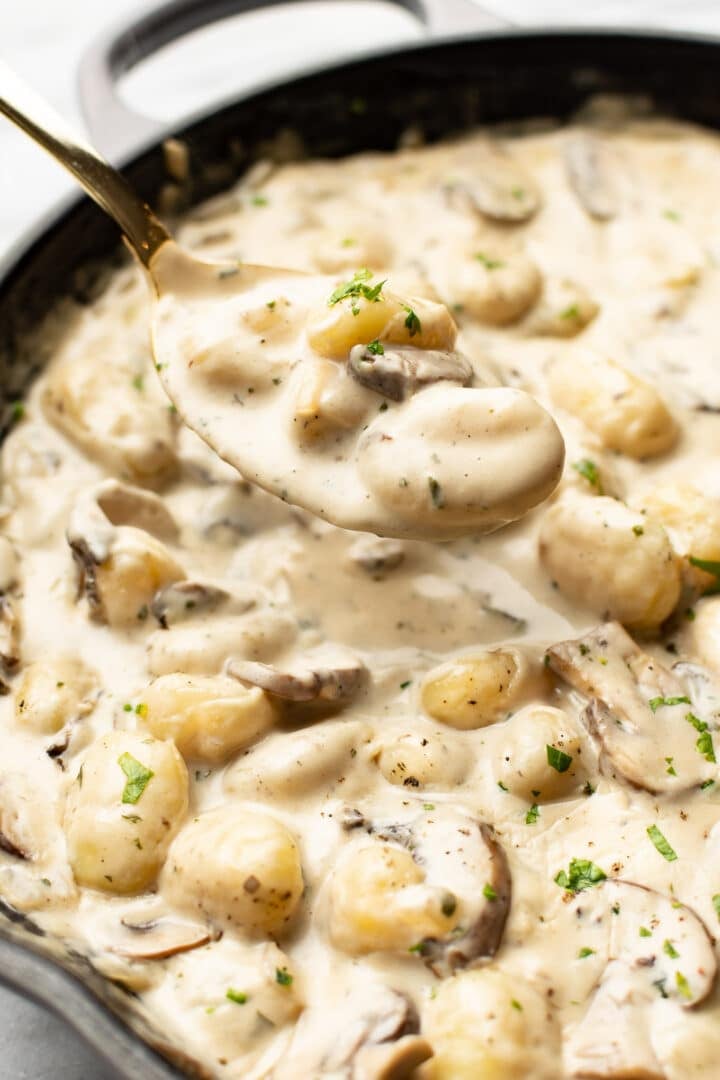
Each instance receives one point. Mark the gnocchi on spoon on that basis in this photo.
(344, 398)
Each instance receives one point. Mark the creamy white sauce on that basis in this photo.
(388, 764)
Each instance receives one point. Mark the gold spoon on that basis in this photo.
(249, 356)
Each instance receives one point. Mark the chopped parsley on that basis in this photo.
(661, 843)
(259, 200)
(532, 815)
(427, 806)
(656, 703)
(589, 471)
(138, 777)
(638, 530)
(585, 951)
(683, 985)
(670, 950)
(716, 904)
(644, 932)
(412, 323)
(375, 348)
(503, 787)
(516, 1004)
(489, 893)
(357, 287)
(404, 685)
(707, 784)
(420, 948)
(489, 263)
(710, 566)
(558, 759)
(704, 744)
(271, 305)
(571, 312)
(139, 383)
(581, 874)
(17, 411)
(436, 493)
(671, 215)
(670, 770)
(237, 996)
(283, 977)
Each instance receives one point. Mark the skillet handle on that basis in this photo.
(120, 131)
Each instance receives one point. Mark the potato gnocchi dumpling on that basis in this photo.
(380, 900)
(135, 569)
(124, 807)
(541, 755)
(238, 867)
(490, 1025)
(476, 690)
(422, 759)
(692, 521)
(112, 412)
(208, 718)
(611, 559)
(51, 693)
(625, 412)
(494, 287)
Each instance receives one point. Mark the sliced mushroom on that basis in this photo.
(103, 508)
(496, 186)
(641, 713)
(588, 174)
(330, 674)
(400, 370)
(376, 554)
(382, 1041)
(157, 939)
(438, 886)
(658, 948)
(182, 599)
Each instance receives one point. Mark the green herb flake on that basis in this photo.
(489, 263)
(671, 215)
(588, 789)
(710, 566)
(638, 530)
(139, 383)
(670, 950)
(412, 323)
(683, 985)
(271, 305)
(670, 770)
(357, 287)
(516, 1004)
(259, 200)
(375, 348)
(584, 952)
(237, 996)
(17, 411)
(420, 948)
(138, 777)
(661, 843)
(127, 707)
(558, 759)
(449, 905)
(132, 817)
(716, 904)
(658, 702)
(532, 815)
(283, 977)
(571, 312)
(503, 787)
(46, 882)
(348, 241)
(589, 471)
(489, 893)
(581, 874)
(707, 784)
(404, 685)
(428, 806)
(704, 744)
(436, 493)
(644, 932)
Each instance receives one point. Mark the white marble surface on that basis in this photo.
(44, 39)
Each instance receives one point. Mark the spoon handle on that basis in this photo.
(111, 191)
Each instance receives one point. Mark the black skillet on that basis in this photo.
(453, 80)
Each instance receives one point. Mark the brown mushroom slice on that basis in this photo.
(398, 371)
(496, 186)
(659, 948)
(381, 1041)
(104, 507)
(181, 600)
(330, 674)
(588, 173)
(640, 712)
(376, 554)
(157, 939)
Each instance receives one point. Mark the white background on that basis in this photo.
(44, 39)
